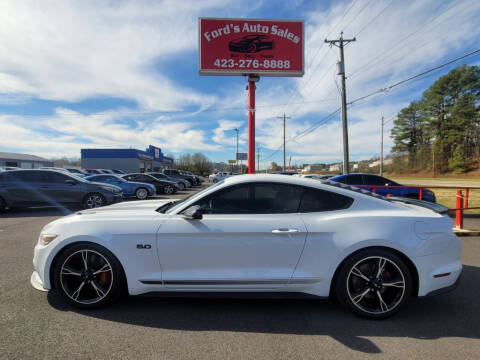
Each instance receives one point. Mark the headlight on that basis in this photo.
(46, 239)
(108, 188)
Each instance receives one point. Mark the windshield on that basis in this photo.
(178, 204)
(78, 178)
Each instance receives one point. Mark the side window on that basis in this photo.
(26, 176)
(53, 177)
(277, 198)
(354, 180)
(268, 198)
(316, 200)
(375, 180)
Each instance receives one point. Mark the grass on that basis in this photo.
(439, 179)
(448, 198)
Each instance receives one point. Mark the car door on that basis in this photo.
(24, 188)
(59, 190)
(250, 237)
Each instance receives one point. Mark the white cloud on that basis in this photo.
(65, 133)
(73, 50)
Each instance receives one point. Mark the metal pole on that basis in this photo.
(381, 151)
(258, 159)
(236, 155)
(283, 141)
(251, 123)
(341, 72)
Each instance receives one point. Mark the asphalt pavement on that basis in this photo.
(39, 325)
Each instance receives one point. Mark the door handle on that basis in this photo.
(285, 231)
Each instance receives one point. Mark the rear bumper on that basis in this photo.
(445, 289)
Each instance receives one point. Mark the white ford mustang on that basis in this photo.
(255, 233)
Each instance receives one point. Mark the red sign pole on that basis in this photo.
(251, 123)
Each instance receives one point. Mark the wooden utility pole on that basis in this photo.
(284, 151)
(341, 72)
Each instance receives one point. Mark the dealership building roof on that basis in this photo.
(21, 157)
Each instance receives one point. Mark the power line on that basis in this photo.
(374, 18)
(388, 52)
(388, 88)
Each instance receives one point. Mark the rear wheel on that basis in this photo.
(181, 186)
(374, 283)
(141, 193)
(168, 190)
(88, 276)
(93, 200)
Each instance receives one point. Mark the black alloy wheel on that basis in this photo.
(168, 189)
(374, 283)
(93, 200)
(88, 276)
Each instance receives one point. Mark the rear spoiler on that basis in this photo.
(440, 209)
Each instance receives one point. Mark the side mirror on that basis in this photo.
(70, 182)
(193, 213)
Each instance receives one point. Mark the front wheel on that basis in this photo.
(88, 276)
(168, 190)
(93, 200)
(181, 186)
(141, 193)
(374, 283)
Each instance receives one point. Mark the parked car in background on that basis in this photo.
(219, 176)
(77, 172)
(26, 188)
(181, 183)
(93, 171)
(198, 179)
(286, 172)
(173, 173)
(55, 168)
(356, 179)
(162, 186)
(316, 176)
(130, 188)
(117, 171)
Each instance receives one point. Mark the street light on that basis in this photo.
(236, 154)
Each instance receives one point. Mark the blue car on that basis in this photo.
(140, 190)
(370, 179)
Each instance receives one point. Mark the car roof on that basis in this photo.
(296, 180)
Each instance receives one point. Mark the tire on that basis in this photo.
(168, 190)
(181, 186)
(373, 299)
(141, 193)
(76, 278)
(93, 200)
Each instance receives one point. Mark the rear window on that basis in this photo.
(315, 200)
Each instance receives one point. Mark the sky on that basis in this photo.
(121, 74)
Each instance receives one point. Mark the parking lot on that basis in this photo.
(40, 325)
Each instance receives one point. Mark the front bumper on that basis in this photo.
(37, 282)
(113, 198)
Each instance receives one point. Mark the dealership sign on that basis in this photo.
(245, 46)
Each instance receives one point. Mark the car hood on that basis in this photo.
(129, 205)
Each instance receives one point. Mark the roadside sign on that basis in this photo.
(232, 161)
(242, 156)
(249, 46)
